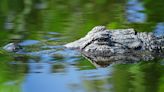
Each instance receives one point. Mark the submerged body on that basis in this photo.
(103, 46)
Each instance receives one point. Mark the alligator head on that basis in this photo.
(104, 47)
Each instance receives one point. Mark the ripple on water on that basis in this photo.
(29, 42)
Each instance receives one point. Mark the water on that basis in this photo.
(44, 65)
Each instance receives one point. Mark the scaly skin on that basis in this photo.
(103, 46)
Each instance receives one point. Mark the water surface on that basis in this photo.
(43, 26)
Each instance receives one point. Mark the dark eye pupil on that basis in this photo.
(138, 48)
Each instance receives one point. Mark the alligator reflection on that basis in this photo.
(124, 59)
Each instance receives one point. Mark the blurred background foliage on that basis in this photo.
(40, 20)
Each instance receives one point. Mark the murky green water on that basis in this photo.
(43, 26)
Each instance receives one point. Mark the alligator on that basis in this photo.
(104, 46)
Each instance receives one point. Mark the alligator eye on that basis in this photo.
(103, 39)
(138, 48)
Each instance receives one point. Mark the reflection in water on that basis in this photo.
(9, 21)
(41, 4)
(42, 26)
(28, 42)
(135, 12)
(142, 78)
(41, 78)
(159, 30)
